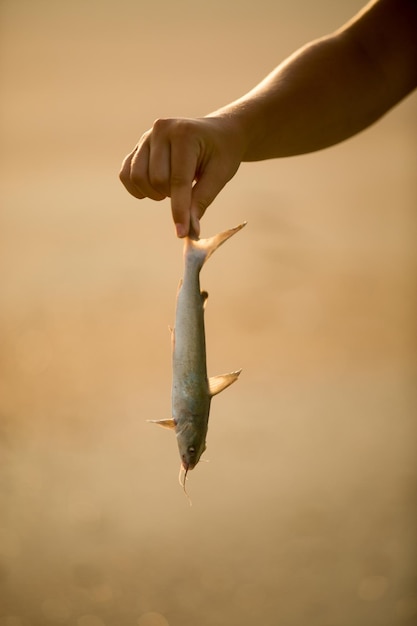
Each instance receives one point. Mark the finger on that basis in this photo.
(183, 170)
(209, 184)
(194, 232)
(125, 178)
(204, 192)
(139, 173)
(159, 170)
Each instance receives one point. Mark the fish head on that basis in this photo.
(191, 445)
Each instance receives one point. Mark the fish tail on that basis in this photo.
(202, 249)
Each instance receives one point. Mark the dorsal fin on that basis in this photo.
(218, 383)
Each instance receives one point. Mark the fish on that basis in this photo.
(192, 390)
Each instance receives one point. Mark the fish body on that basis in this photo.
(192, 390)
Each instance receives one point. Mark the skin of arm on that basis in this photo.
(324, 93)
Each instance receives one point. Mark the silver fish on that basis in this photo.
(192, 390)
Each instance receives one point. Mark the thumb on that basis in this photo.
(203, 193)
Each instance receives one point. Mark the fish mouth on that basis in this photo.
(188, 465)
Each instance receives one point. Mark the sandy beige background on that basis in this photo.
(306, 513)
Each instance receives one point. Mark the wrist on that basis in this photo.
(234, 124)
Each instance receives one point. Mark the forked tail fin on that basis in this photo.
(202, 249)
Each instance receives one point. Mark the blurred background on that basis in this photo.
(306, 511)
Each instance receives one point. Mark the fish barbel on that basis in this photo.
(192, 390)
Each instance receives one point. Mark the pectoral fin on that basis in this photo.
(169, 423)
(218, 383)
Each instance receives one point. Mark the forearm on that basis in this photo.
(330, 89)
(306, 104)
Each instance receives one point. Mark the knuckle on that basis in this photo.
(157, 197)
(160, 125)
(145, 187)
(143, 138)
(182, 129)
(159, 183)
(177, 127)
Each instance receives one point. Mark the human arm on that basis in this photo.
(326, 92)
(334, 87)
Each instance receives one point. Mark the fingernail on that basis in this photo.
(180, 230)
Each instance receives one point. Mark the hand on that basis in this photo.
(188, 160)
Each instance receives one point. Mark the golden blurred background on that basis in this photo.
(306, 513)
